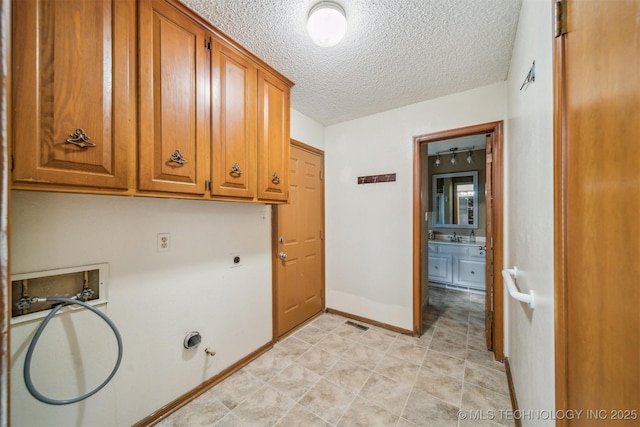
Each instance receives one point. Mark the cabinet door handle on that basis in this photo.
(235, 170)
(80, 139)
(275, 178)
(177, 157)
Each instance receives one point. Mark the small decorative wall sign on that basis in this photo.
(376, 179)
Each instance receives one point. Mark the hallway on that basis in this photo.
(333, 374)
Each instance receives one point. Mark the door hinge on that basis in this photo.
(489, 158)
(321, 234)
(560, 18)
(321, 175)
(490, 316)
(207, 44)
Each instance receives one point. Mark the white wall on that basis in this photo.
(307, 130)
(529, 341)
(369, 228)
(155, 298)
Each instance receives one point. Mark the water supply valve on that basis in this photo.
(86, 294)
(24, 303)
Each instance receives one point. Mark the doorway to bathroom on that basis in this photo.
(446, 218)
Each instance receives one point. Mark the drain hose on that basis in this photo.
(27, 362)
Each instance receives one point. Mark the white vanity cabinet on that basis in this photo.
(457, 264)
(440, 265)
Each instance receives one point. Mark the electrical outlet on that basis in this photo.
(164, 242)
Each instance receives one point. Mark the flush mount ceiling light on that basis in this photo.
(326, 24)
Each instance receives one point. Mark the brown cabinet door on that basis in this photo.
(233, 127)
(273, 138)
(71, 70)
(174, 100)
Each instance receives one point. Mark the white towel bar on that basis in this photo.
(509, 275)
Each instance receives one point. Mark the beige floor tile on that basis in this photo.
(268, 365)
(446, 388)
(423, 409)
(484, 358)
(444, 364)
(310, 334)
(422, 341)
(363, 413)
(403, 422)
(348, 375)
(348, 332)
(291, 347)
(199, 413)
(386, 393)
(453, 326)
(454, 350)
(335, 344)
(328, 322)
(231, 420)
(264, 408)
(480, 420)
(397, 369)
(409, 352)
(294, 381)
(236, 388)
(339, 374)
(299, 416)
(442, 333)
(480, 398)
(327, 400)
(477, 344)
(457, 314)
(488, 378)
(363, 355)
(317, 360)
(377, 340)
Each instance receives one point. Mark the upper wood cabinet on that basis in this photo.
(234, 121)
(273, 137)
(143, 97)
(173, 100)
(73, 72)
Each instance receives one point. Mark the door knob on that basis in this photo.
(282, 256)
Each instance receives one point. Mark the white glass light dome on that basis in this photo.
(327, 23)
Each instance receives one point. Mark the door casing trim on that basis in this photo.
(496, 128)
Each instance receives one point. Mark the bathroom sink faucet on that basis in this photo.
(454, 238)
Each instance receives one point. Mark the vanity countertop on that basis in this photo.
(463, 243)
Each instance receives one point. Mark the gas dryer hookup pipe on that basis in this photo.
(27, 362)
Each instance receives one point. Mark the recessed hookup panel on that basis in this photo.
(87, 283)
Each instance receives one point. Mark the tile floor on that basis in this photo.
(332, 374)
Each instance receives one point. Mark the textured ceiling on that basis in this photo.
(395, 52)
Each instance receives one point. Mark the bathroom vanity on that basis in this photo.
(460, 265)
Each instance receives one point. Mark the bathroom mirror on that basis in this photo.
(455, 200)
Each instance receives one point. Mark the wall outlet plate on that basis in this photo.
(164, 242)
